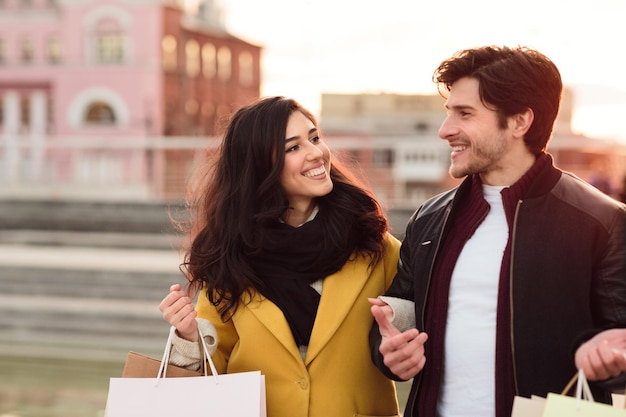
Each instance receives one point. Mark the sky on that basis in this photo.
(365, 46)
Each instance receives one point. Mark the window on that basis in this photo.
(25, 111)
(208, 109)
(208, 60)
(168, 46)
(191, 107)
(192, 58)
(26, 50)
(223, 63)
(54, 50)
(50, 111)
(246, 73)
(99, 113)
(110, 49)
(383, 158)
(109, 42)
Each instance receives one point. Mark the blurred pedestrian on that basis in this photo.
(622, 192)
(514, 270)
(286, 248)
(600, 179)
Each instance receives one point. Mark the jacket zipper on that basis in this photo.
(517, 209)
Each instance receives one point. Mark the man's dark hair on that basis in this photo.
(511, 80)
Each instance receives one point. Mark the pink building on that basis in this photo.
(114, 71)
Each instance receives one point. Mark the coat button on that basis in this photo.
(304, 384)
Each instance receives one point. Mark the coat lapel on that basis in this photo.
(339, 293)
(273, 319)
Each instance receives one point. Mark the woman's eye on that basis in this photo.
(293, 148)
(315, 139)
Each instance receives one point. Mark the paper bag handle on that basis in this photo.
(583, 392)
(168, 348)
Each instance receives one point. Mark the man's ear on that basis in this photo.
(522, 122)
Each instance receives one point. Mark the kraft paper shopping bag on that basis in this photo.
(146, 389)
(142, 366)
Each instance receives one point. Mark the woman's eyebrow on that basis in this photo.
(291, 139)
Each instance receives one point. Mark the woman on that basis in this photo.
(285, 251)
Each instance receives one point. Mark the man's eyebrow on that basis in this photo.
(460, 107)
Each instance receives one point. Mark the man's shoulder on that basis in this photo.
(575, 192)
(434, 204)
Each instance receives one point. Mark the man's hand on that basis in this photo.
(403, 352)
(603, 356)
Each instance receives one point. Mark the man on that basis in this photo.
(514, 271)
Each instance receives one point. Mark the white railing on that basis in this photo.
(128, 168)
(158, 168)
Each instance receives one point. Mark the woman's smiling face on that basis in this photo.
(306, 171)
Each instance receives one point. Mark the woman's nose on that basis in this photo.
(314, 152)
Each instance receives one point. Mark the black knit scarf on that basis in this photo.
(288, 261)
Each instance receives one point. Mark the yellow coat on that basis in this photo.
(337, 377)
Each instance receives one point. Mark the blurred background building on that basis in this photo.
(112, 100)
(109, 93)
(393, 139)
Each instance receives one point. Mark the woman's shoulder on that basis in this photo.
(391, 247)
(390, 241)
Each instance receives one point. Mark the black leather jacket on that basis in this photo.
(567, 278)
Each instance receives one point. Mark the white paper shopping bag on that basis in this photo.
(239, 394)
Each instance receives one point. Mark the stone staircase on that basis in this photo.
(82, 280)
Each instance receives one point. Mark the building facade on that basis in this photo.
(117, 72)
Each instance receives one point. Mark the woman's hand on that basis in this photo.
(178, 310)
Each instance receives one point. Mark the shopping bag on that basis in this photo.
(142, 366)
(239, 394)
(528, 407)
(581, 405)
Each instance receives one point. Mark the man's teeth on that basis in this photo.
(315, 172)
(458, 148)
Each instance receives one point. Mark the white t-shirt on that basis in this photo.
(468, 386)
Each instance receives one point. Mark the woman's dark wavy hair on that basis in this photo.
(511, 80)
(240, 191)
